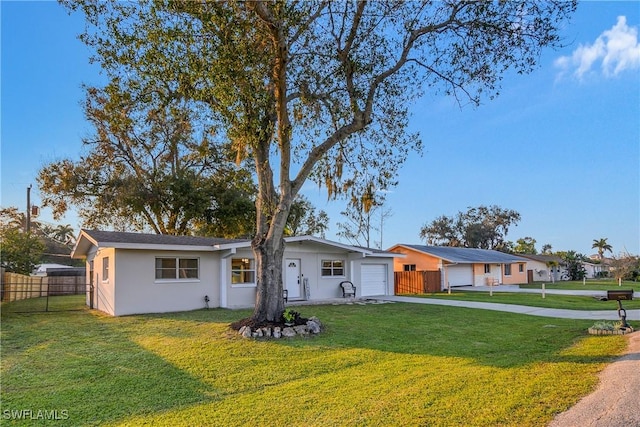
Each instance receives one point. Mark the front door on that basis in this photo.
(292, 278)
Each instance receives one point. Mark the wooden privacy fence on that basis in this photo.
(16, 286)
(417, 282)
(66, 281)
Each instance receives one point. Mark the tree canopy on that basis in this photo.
(303, 219)
(22, 250)
(525, 245)
(484, 227)
(150, 164)
(316, 90)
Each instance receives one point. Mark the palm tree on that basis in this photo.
(602, 246)
(64, 234)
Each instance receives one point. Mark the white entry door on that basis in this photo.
(292, 277)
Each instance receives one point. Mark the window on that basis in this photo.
(487, 268)
(177, 268)
(331, 268)
(507, 269)
(521, 268)
(409, 267)
(105, 268)
(242, 271)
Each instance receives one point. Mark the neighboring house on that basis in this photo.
(462, 266)
(543, 268)
(41, 269)
(594, 270)
(134, 273)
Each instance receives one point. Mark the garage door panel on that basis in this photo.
(373, 280)
(460, 275)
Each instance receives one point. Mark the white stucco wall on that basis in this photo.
(138, 291)
(311, 257)
(103, 289)
(542, 273)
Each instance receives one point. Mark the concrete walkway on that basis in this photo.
(611, 314)
(522, 309)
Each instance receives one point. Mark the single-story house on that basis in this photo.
(594, 270)
(546, 268)
(462, 266)
(133, 273)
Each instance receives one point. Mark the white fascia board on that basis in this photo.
(155, 247)
(386, 255)
(327, 243)
(82, 238)
(231, 246)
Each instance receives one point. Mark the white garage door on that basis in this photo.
(459, 275)
(374, 280)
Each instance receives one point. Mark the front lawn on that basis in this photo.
(389, 364)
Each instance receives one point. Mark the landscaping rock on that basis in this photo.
(304, 328)
(313, 326)
(288, 332)
(301, 330)
(246, 332)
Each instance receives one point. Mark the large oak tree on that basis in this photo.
(483, 227)
(318, 90)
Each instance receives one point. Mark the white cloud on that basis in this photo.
(616, 50)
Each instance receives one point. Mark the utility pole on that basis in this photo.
(28, 224)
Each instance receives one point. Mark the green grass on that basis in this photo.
(53, 303)
(570, 302)
(389, 364)
(590, 285)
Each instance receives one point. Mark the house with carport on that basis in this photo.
(134, 273)
(462, 266)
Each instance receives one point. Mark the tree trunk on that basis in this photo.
(268, 253)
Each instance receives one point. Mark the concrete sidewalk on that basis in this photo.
(521, 309)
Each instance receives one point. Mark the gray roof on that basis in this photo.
(155, 239)
(543, 258)
(467, 255)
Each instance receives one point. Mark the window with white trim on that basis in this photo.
(487, 268)
(332, 267)
(176, 268)
(242, 271)
(521, 268)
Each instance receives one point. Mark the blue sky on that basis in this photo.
(561, 145)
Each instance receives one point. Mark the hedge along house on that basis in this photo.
(462, 266)
(134, 273)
